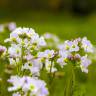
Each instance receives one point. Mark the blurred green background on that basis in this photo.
(66, 18)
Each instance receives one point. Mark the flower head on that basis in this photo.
(85, 62)
(46, 54)
(12, 26)
(2, 50)
(26, 84)
(86, 44)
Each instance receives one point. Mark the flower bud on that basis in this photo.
(2, 50)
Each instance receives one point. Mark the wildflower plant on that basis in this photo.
(77, 52)
(30, 54)
(22, 54)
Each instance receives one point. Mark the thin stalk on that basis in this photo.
(51, 78)
(19, 65)
(70, 83)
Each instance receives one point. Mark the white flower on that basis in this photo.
(27, 38)
(33, 69)
(26, 84)
(64, 53)
(37, 87)
(17, 83)
(62, 61)
(46, 54)
(50, 66)
(63, 57)
(13, 38)
(50, 36)
(12, 26)
(33, 66)
(85, 62)
(13, 61)
(14, 51)
(28, 57)
(2, 49)
(16, 94)
(86, 44)
(52, 40)
(34, 38)
(61, 46)
(41, 41)
(71, 46)
(31, 32)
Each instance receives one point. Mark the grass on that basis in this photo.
(66, 27)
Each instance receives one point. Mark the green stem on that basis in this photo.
(51, 78)
(19, 65)
(70, 82)
(73, 82)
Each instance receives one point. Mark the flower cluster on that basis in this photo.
(27, 86)
(76, 51)
(47, 57)
(25, 44)
(29, 54)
